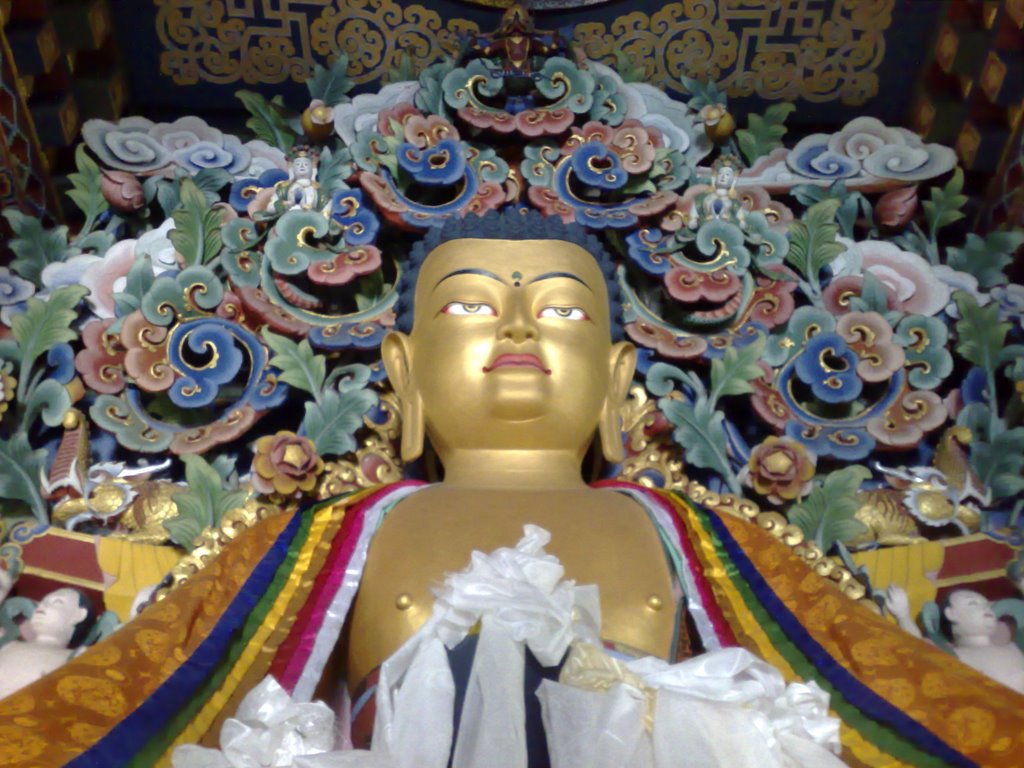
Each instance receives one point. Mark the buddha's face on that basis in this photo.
(511, 345)
(302, 168)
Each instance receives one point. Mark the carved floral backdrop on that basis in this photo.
(813, 326)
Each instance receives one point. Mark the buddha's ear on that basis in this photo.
(622, 364)
(396, 353)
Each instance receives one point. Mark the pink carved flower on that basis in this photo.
(550, 204)
(909, 419)
(772, 302)
(533, 122)
(122, 190)
(690, 286)
(101, 362)
(146, 357)
(870, 336)
(896, 208)
(501, 122)
(428, 131)
(345, 266)
(837, 295)
(780, 469)
(767, 400)
(399, 113)
(633, 142)
(285, 463)
(489, 197)
(665, 343)
(917, 289)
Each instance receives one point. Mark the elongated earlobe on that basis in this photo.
(396, 354)
(622, 362)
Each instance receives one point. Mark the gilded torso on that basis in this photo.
(601, 537)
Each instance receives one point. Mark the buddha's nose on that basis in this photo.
(519, 325)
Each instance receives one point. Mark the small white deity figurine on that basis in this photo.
(720, 202)
(57, 626)
(303, 189)
(972, 625)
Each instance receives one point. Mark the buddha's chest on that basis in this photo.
(601, 538)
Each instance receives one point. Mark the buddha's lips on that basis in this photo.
(521, 361)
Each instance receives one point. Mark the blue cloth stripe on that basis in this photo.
(131, 735)
(854, 691)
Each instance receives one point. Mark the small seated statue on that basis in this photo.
(720, 201)
(301, 190)
(972, 625)
(58, 625)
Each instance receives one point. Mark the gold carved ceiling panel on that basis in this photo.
(819, 50)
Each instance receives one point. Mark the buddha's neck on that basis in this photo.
(512, 470)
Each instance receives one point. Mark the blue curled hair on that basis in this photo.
(510, 224)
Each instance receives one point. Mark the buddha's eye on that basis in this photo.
(564, 313)
(469, 308)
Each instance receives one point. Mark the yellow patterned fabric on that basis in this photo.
(979, 717)
(51, 721)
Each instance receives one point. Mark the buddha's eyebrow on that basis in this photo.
(471, 271)
(550, 275)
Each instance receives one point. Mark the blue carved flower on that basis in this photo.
(13, 289)
(244, 190)
(61, 359)
(204, 352)
(356, 219)
(596, 165)
(829, 367)
(232, 156)
(439, 165)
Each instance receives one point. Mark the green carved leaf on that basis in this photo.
(732, 374)
(827, 514)
(20, 470)
(335, 166)
(403, 71)
(86, 190)
(299, 366)
(812, 240)
(33, 246)
(211, 181)
(987, 258)
(700, 428)
(51, 400)
(763, 134)
(203, 503)
(981, 335)
(999, 463)
(944, 207)
(196, 233)
(44, 325)
(330, 84)
(267, 119)
(139, 280)
(332, 422)
(703, 94)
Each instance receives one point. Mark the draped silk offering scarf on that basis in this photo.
(275, 600)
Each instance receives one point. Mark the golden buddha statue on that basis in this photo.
(510, 369)
(508, 362)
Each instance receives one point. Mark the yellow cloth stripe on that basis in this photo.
(200, 724)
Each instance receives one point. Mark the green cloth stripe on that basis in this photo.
(872, 731)
(156, 746)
